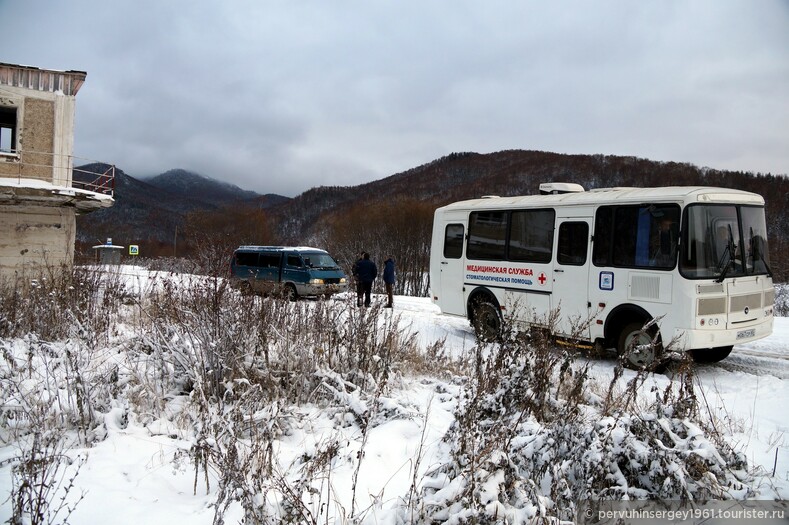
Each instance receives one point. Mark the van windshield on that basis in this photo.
(321, 261)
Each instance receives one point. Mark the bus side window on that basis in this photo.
(531, 236)
(643, 236)
(603, 229)
(487, 235)
(573, 241)
(453, 241)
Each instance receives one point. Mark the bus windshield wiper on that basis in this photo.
(724, 269)
(728, 256)
(766, 266)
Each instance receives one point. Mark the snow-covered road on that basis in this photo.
(766, 356)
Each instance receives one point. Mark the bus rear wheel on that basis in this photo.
(711, 355)
(637, 349)
(486, 321)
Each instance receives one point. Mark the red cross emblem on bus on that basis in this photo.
(542, 278)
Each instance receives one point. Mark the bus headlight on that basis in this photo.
(316, 281)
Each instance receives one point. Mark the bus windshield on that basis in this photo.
(720, 241)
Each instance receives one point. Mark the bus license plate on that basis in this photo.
(742, 334)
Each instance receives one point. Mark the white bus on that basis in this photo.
(608, 261)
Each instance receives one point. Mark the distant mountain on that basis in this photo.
(199, 187)
(153, 211)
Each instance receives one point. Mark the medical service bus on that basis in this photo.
(597, 266)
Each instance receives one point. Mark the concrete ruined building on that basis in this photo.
(41, 190)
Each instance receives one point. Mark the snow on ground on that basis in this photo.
(131, 477)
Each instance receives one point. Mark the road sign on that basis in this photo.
(134, 249)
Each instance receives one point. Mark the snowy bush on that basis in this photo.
(782, 300)
(528, 443)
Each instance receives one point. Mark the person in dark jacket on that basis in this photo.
(359, 284)
(366, 272)
(389, 279)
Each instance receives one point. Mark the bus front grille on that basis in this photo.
(740, 302)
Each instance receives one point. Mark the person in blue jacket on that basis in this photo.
(389, 279)
(366, 271)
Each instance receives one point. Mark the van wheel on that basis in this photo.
(711, 355)
(290, 293)
(636, 349)
(245, 288)
(487, 321)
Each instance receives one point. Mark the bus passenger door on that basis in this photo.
(451, 298)
(570, 293)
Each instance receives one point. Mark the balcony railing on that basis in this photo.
(99, 181)
(58, 170)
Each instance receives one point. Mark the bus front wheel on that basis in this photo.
(486, 321)
(711, 355)
(638, 348)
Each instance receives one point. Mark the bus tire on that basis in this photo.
(486, 321)
(711, 355)
(636, 349)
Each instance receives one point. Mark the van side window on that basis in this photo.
(269, 260)
(453, 241)
(294, 261)
(246, 258)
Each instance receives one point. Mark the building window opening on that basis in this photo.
(7, 130)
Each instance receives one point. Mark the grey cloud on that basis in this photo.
(281, 97)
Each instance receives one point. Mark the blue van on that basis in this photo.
(292, 271)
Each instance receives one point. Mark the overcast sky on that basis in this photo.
(279, 97)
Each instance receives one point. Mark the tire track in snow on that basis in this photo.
(756, 362)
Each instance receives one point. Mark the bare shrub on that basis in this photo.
(528, 443)
(36, 420)
(41, 480)
(48, 302)
(239, 357)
